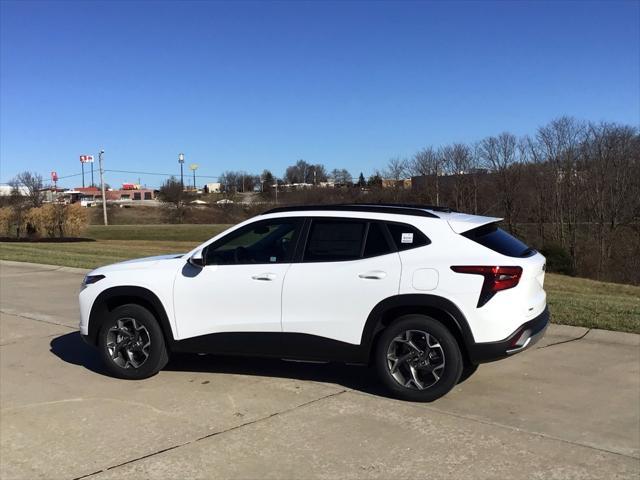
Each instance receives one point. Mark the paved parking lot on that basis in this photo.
(570, 408)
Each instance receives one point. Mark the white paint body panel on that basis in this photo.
(229, 298)
(334, 299)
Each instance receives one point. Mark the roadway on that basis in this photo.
(568, 408)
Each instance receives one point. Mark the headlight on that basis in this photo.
(89, 279)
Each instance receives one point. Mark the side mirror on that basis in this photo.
(197, 259)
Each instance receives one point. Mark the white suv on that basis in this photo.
(423, 293)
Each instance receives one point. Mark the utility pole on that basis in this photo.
(276, 191)
(92, 184)
(104, 197)
(82, 163)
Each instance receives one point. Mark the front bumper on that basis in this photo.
(524, 337)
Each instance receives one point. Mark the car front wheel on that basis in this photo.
(418, 359)
(131, 343)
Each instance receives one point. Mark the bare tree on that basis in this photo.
(458, 161)
(397, 169)
(303, 172)
(611, 158)
(559, 143)
(173, 193)
(32, 186)
(341, 176)
(428, 163)
(500, 155)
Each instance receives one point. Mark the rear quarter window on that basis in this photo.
(406, 237)
(496, 239)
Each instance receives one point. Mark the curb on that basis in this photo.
(44, 266)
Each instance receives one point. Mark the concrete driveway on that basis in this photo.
(570, 408)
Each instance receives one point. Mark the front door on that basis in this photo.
(239, 289)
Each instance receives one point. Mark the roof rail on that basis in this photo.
(419, 211)
(435, 208)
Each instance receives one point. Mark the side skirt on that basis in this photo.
(295, 346)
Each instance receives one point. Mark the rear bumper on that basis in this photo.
(524, 337)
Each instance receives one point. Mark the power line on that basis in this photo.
(156, 173)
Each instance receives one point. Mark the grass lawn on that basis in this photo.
(112, 244)
(573, 301)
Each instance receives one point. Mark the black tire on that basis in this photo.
(468, 370)
(448, 354)
(147, 324)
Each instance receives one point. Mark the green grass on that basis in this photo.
(114, 243)
(589, 303)
(573, 301)
(159, 233)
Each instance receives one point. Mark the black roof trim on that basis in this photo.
(416, 210)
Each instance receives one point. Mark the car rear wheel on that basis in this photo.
(131, 343)
(418, 359)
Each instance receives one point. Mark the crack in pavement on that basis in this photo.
(173, 447)
(21, 274)
(566, 341)
(35, 319)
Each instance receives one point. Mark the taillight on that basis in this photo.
(495, 279)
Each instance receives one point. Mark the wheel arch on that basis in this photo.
(114, 297)
(442, 309)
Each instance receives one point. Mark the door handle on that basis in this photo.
(373, 275)
(265, 277)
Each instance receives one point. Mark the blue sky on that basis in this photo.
(247, 85)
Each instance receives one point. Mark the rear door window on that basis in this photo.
(335, 240)
(377, 242)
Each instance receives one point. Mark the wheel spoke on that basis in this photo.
(400, 361)
(128, 343)
(415, 359)
(414, 376)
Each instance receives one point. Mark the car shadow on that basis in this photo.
(71, 348)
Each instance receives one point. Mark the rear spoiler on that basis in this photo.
(462, 222)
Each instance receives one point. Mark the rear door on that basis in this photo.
(347, 266)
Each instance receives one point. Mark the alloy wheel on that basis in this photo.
(128, 343)
(415, 359)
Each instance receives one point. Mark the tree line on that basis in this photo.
(571, 188)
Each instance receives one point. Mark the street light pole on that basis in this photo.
(104, 199)
(181, 162)
(193, 167)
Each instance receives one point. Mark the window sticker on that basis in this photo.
(273, 259)
(407, 238)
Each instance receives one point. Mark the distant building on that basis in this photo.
(215, 187)
(89, 196)
(5, 190)
(392, 183)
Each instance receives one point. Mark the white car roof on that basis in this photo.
(459, 222)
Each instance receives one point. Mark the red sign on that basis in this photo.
(54, 176)
(86, 158)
